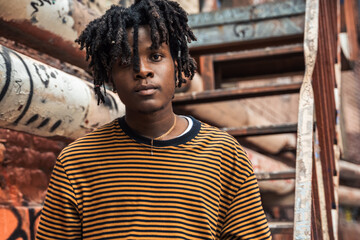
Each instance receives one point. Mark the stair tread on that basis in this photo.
(281, 227)
(278, 175)
(262, 130)
(209, 96)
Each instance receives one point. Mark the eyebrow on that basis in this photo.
(159, 48)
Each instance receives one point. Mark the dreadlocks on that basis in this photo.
(105, 39)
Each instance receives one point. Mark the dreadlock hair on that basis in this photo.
(105, 39)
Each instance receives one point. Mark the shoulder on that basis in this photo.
(93, 140)
(232, 157)
(229, 145)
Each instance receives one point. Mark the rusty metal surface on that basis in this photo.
(50, 27)
(234, 93)
(233, 27)
(324, 231)
(215, 37)
(257, 53)
(324, 83)
(206, 69)
(248, 13)
(262, 130)
(245, 64)
(304, 153)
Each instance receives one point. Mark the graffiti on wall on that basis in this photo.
(42, 100)
(39, 3)
(19, 222)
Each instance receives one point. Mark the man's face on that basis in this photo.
(151, 89)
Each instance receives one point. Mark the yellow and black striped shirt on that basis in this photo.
(113, 184)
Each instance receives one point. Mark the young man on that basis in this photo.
(150, 174)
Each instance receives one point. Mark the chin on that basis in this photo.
(150, 109)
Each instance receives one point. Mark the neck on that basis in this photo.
(151, 125)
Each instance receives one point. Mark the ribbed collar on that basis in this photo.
(158, 143)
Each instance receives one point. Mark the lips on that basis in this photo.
(146, 90)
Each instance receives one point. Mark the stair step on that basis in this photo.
(281, 227)
(261, 176)
(209, 96)
(262, 130)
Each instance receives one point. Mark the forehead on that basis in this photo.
(144, 37)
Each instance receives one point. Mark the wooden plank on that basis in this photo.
(350, 20)
(262, 130)
(281, 227)
(257, 53)
(206, 69)
(262, 176)
(349, 170)
(234, 93)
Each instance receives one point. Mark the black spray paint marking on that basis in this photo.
(114, 102)
(39, 3)
(5, 55)
(52, 75)
(31, 92)
(46, 78)
(43, 123)
(32, 220)
(18, 232)
(32, 119)
(63, 19)
(108, 102)
(55, 126)
(19, 83)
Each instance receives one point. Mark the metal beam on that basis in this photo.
(262, 130)
(234, 93)
(237, 27)
(248, 13)
(281, 227)
(261, 176)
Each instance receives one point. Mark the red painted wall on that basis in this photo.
(26, 162)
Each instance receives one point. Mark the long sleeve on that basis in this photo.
(245, 218)
(59, 216)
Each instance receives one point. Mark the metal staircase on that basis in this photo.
(312, 47)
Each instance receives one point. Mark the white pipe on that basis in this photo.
(45, 101)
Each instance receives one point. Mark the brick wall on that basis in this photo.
(26, 162)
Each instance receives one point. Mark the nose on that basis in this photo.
(145, 71)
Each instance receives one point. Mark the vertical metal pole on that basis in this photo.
(304, 153)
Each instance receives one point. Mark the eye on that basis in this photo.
(156, 57)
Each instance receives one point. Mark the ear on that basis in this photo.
(176, 74)
(111, 80)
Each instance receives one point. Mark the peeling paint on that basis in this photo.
(49, 106)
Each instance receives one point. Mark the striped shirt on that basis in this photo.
(115, 184)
